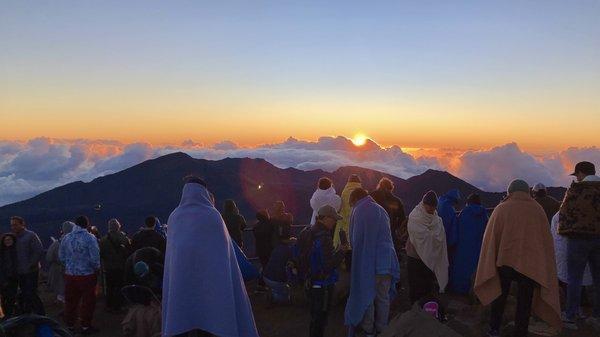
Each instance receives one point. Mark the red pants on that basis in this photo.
(80, 289)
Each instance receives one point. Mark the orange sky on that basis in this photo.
(483, 75)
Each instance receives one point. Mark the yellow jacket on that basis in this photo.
(345, 212)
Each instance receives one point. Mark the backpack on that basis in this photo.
(301, 254)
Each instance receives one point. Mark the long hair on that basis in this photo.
(9, 252)
(229, 207)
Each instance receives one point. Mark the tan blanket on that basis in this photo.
(518, 236)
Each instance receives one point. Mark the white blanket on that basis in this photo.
(427, 235)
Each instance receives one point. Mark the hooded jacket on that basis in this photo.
(321, 198)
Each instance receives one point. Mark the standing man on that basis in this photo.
(323, 260)
(147, 236)
(579, 221)
(29, 254)
(80, 254)
(114, 250)
(548, 203)
(518, 247)
(385, 197)
(375, 268)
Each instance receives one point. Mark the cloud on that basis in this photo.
(29, 168)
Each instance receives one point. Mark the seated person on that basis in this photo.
(280, 268)
(144, 268)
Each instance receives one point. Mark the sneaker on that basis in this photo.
(90, 330)
(493, 333)
(568, 323)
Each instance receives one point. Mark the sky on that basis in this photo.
(411, 73)
(86, 82)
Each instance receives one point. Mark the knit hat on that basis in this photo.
(430, 198)
(141, 269)
(114, 225)
(518, 185)
(67, 227)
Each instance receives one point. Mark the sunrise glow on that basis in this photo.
(359, 139)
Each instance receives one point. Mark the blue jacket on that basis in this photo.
(79, 252)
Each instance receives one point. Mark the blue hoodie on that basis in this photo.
(447, 212)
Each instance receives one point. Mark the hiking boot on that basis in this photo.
(568, 323)
(493, 333)
(90, 330)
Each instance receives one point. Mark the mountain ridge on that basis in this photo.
(153, 187)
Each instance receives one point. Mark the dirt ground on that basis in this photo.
(293, 320)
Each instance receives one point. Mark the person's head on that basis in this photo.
(328, 216)
(385, 184)
(354, 178)
(192, 179)
(82, 221)
(150, 221)
(114, 225)
(17, 224)
(518, 185)
(278, 207)
(325, 183)
(584, 169)
(66, 227)
(8, 240)
(262, 215)
(230, 207)
(474, 199)
(141, 269)
(539, 190)
(357, 194)
(430, 202)
(94, 231)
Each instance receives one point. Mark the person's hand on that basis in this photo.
(345, 247)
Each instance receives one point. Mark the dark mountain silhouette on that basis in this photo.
(154, 188)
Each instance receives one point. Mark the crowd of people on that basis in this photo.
(79, 262)
(530, 239)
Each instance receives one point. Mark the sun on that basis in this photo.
(359, 139)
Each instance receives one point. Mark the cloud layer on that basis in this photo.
(29, 168)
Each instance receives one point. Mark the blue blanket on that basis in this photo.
(203, 287)
(373, 254)
(471, 227)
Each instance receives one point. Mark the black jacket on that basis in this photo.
(263, 233)
(235, 223)
(148, 238)
(114, 250)
(395, 210)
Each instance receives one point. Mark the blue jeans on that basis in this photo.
(279, 290)
(580, 252)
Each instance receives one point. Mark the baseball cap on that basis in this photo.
(584, 167)
(329, 211)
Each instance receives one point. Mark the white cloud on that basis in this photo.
(28, 168)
